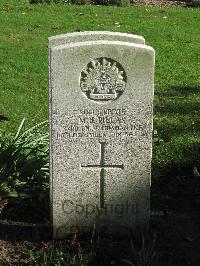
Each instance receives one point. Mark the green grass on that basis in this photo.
(174, 33)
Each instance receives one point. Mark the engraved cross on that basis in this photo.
(102, 166)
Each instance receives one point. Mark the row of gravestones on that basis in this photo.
(101, 108)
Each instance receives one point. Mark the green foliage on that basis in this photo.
(56, 254)
(24, 161)
(141, 253)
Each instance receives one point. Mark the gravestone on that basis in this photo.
(94, 36)
(101, 98)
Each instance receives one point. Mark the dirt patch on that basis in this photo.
(13, 253)
(161, 3)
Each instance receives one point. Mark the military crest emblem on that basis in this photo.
(104, 79)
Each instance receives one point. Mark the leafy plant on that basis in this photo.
(146, 254)
(57, 254)
(24, 161)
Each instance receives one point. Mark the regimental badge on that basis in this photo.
(104, 79)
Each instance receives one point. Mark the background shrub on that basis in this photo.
(84, 2)
(196, 3)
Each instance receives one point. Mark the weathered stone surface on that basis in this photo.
(101, 98)
(94, 36)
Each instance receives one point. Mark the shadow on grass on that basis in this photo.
(186, 90)
(176, 101)
(178, 107)
(176, 157)
(177, 127)
(178, 91)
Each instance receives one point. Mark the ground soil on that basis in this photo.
(162, 3)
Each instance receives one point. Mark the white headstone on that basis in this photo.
(94, 36)
(101, 100)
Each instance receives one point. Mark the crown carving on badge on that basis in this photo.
(103, 80)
